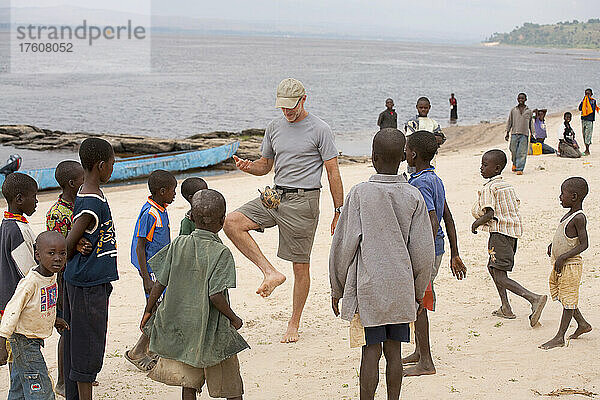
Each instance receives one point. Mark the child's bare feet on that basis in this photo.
(411, 359)
(291, 335)
(271, 281)
(537, 307)
(581, 329)
(418, 370)
(554, 342)
(502, 313)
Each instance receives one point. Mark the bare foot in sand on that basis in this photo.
(537, 307)
(418, 370)
(291, 335)
(271, 281)
(501, 313)
(554, 342)
(580, 331)
(412, 359)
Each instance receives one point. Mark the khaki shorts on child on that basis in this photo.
(564, 287)
(223, 380)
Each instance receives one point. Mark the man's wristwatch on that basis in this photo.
(338, 210)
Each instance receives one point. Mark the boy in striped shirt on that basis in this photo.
(497, 212)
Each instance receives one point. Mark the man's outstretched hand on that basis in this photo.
(335, 306)
(242, 164)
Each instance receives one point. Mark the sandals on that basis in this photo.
(145, 363)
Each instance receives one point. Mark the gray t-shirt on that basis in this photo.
(299, 150)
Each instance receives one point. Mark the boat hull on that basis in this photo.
(135, 168)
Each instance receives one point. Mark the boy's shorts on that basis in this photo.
(223, 380)
(86, 312)
(502, 251)
(564, 287)
(29, 378)
(297, 218)
(587, 128)
(360, 336)
(429, 298)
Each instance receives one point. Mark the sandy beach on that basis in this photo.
(477, 356)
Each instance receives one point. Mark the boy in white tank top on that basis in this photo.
(570, 240)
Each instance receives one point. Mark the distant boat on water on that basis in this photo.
(142, 166)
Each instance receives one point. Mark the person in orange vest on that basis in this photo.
(588, 110)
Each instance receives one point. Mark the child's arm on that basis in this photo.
(74, 237)
(484, 219)
(140, 251)
(346, 240)
(579, 223)
(3, 351)
(220, 302)
(421, 250)
(456, 264)
(434, 223)
(155, 293)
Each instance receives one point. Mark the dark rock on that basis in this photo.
(212, 135)
(253, 132)
(32, 136)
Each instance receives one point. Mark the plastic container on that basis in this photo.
(536, 149)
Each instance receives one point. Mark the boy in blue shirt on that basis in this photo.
(91, 267)
(152, 232)
(421, 147)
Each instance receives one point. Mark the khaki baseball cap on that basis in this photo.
(289, 91)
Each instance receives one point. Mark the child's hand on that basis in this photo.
(145, 319)
(3, 352)
(558, 264)
(335, 306)
(550, 250)
(61, 324)
(458, 267)
(84, 246)
(474, 227)
(237, 323)
(507, 136)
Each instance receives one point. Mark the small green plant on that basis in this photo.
(498, 324)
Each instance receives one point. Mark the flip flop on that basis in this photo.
(145, 363)
(537, 313)
(500, 313)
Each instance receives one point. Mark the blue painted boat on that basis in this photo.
(142, 166)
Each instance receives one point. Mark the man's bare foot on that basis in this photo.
(580, 331)
(411, 359)
(271, 281)
(537, 307)
(291, 335)
(418, 370)
(554, 342)
(508, 314)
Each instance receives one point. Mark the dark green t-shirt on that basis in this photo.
(186, 326)
(187, 226)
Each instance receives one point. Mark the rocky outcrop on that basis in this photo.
(34, 138)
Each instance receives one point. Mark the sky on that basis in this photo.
(463, 20)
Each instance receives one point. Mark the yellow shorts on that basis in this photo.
(357, 333)
(564, 287)
(223, 380)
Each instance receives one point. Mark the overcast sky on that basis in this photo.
(472, 19)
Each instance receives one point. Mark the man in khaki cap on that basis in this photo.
(297, 144)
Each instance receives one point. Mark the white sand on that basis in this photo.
(477, 356)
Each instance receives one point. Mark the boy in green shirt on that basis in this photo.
(189, 187)
(194, 330)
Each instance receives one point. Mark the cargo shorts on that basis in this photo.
(297, 218)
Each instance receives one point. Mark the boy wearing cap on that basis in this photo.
(298, 144)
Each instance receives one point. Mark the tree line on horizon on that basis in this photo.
(574, 34)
